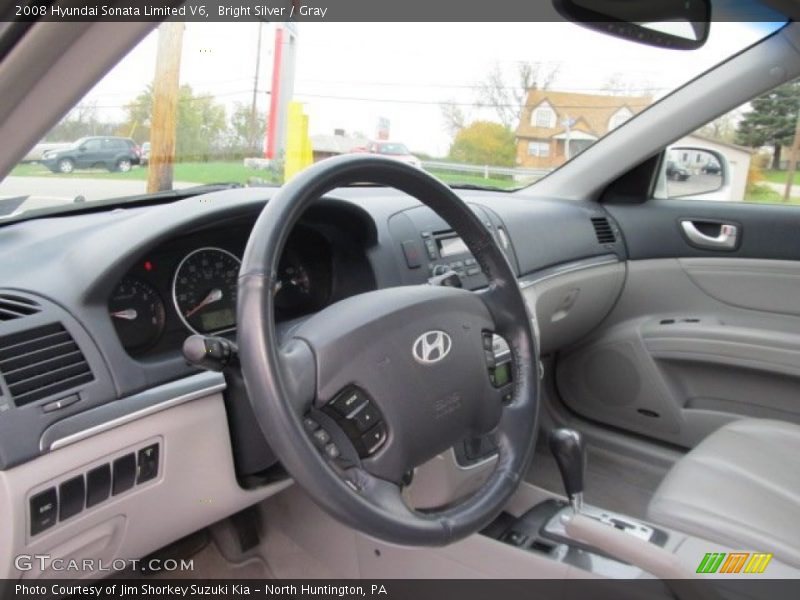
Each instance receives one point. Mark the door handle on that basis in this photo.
(725, 240)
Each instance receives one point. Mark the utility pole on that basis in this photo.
(791, 167)
(253, 132)
(166, 88)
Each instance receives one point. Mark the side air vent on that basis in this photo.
(41, 362)
(603, 231)
(15, 307)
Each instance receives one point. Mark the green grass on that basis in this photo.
(780, 177)
(209, 172)
(762, 194)
(234, 171)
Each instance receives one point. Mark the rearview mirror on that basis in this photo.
(677, 24)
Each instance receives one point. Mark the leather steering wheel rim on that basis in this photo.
(284, 379)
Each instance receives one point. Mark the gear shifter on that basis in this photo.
(570, 454)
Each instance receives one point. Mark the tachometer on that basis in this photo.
(138, 314)
(204, 290)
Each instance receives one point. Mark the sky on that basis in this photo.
(350, 75)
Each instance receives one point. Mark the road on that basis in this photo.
(696, 184)
(58, 190)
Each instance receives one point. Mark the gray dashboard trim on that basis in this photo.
(569, 267)
(118, 412)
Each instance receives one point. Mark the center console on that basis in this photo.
(426, 246)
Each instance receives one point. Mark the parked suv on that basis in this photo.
(112, 153)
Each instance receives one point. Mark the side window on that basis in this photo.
(91, 146)
(750, 154)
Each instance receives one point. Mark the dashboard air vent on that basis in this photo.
(15, 307)
(40, 362)
(603, 231)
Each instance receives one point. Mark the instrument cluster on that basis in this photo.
(189, 286)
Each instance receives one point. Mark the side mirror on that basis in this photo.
(694, 172)
(82, 149)
(675, 24)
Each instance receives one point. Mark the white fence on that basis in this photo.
(486, 171)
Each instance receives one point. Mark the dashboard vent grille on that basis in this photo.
(603, 231)
(15, 307)
(40, 362)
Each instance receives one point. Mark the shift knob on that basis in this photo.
(570, 454)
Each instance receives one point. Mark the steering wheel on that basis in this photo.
(373, 386)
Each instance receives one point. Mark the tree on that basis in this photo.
(508, 99)
(81, 121)
(246, 136)
(201, 123)
(722, 128)
(771, 122)
(454, 118)
(485, 143)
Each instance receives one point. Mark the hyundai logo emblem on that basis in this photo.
(431, 347)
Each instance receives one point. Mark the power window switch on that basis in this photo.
(44, 510)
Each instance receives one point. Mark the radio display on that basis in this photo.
(452, 245)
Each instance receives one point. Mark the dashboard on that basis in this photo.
(103, 300)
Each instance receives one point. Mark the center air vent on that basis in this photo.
(603, 231)
(38, 363)
(15, 307)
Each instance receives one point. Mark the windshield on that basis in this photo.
(255, 103)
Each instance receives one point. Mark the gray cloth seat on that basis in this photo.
(739, 487)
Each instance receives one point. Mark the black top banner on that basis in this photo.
(319, 10)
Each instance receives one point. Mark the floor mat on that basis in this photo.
(209, 563)
(612, 482)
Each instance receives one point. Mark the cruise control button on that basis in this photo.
(310, 424)
(366, 417)
(347, 403)
(373, 439)
(44, 509)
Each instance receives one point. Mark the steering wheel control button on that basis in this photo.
(321, 437)
(124, 474)
(366, 417)
(98, 485)
(72, 494)
(310, 424)
(348, 402)
(374, 438)
(332, 451)
(44, 510)
(147, 463)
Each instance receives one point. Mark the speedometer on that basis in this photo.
(204, 290)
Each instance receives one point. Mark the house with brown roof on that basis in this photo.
(555, 126)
